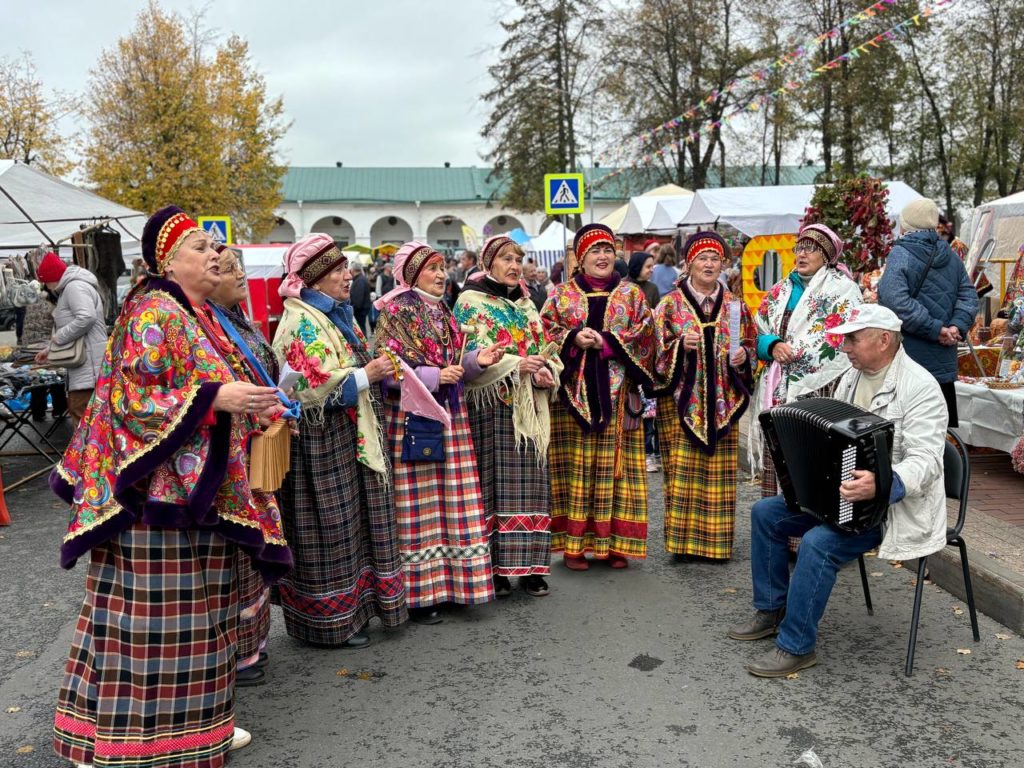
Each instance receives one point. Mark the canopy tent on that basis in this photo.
(262, 261)
(39, 209)
(667, 212)
(549, 246)
(995, 233)
(771, 210)
(614, 219)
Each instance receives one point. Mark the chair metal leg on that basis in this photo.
(864, 583)
(968, 588)
(918, 591)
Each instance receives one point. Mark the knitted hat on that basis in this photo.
(163, 235)
(590, 235)
(699, 242)
(51, 268)
(919, 215)
(636, 263)
(308, 261)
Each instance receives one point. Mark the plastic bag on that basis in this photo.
(809, 759)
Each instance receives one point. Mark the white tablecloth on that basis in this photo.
(990, 418)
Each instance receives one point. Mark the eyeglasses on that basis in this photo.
(805, 248)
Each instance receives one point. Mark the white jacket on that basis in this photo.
(911, 399)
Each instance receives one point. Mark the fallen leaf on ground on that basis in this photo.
(1020, 663)
(25, 654)
(793, 676)
(730, 590)
(942, 671)
(958, 610)
(12, 710)
(1002, 636)
(364, 675)
(27, 749)
(872, 553)
(876, 573)
(964, 651)
(343, 672)
(895, 563)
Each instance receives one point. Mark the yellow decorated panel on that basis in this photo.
(771, 257)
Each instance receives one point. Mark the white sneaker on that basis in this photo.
(241, 739)
(83, 765)
(653, 463)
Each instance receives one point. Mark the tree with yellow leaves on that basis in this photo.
(177, 119)
(28, 119)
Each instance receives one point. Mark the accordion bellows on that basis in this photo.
(270, 457)
(816, 443)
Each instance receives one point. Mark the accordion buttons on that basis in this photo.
(426, 451)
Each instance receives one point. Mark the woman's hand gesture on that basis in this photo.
(243, 397)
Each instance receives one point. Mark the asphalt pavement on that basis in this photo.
(613, 669)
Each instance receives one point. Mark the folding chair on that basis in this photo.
(957, 471)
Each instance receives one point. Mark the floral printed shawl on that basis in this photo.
(312, 345)
(710, 394)
(151, 450)
(621, 315)
(513, 322)
(826, 302)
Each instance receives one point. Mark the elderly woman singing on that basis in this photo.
(604, 332)
(793, 335)
(157, 481)
(510, 416)
(337, 500)
(442, 524)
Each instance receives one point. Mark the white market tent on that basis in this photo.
(667, 212)
(549, 246)
(39, 209)
(616, 220)
(262, 261)
(770, 210)
(996, 234)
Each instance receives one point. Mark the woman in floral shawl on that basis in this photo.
(160, 501)
(709, 376)
(510, 416)
(793, 336)
(442, 524)
(604, 332)
(336, 501)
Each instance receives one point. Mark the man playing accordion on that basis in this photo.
(885, 381)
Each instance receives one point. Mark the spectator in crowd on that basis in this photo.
(468, 266)
(538, 293)
(545, 281)
(360, 298)
(664, 275)
(79, 315)
(641, 265)
(926, 285)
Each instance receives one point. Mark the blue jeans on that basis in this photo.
(823, 550)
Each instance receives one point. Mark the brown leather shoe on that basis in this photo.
(762, 624)
(779, 663)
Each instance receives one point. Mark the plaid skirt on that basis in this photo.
(339, 520)
(253, 613)
(442, 526)
(591, 510)
(700, 490)
(150, 679)
(514, 488)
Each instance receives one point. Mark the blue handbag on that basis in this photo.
(423, 439)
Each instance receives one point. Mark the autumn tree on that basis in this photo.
(28, 118)
(176, 118)
(543, 82)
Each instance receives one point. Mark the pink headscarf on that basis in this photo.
(398, 271)
(295, 258)
(823, 235)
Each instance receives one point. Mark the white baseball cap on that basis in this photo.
(869, 316)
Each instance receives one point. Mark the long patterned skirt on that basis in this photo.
(700, 490)
(339, 520)
(591, 509)
(442, 526)
(253, 613)
(150, 679)
(514, 488)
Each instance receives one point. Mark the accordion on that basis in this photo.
(816, 443)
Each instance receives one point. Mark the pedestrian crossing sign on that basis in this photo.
(563, 193)
(217, 227)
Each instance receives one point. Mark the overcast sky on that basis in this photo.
(365, 82)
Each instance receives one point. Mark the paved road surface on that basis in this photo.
(614, 669)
